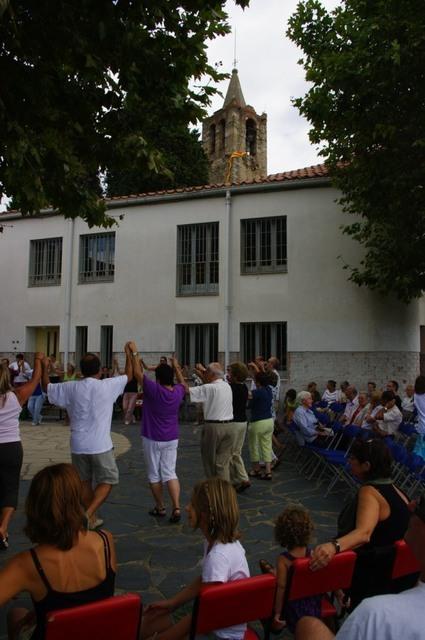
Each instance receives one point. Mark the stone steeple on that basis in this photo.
(235, 139)
(234, 92)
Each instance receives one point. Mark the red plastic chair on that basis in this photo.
(223, 605)
(405, 562)
(303, 582)
(109, 619)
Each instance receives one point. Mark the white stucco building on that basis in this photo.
(209, 272)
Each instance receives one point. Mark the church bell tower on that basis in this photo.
(235, 139)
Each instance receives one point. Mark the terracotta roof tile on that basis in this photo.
(315, 171)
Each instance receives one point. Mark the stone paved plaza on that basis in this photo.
(156, 558)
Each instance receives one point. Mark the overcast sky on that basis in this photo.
(269, 76)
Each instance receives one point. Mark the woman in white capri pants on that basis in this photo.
(160, 432)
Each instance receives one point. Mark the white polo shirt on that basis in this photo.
(217, 399)
(391, 420)
(89, 403)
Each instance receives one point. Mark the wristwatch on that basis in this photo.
(336, 544)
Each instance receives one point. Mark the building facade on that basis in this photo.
(210, 273)
(247, 265)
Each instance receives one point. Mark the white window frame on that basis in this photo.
(264, 338)
(45, 266)
(99, 248)
(198, 259)
(197, 343)
(268, 255)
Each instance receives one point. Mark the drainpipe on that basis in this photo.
(68, 293)
(227, 277)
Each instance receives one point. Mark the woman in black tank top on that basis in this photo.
(56, 522)
(370, 522)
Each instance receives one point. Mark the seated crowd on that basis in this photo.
(72, 564)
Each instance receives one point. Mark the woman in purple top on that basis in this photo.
(160, 432)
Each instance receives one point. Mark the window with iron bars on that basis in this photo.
(264, 339)
(45, 262)
(97, 257)
(263, 245)
(197, 343)
(197, 259)
(80, 343)
(106, 342)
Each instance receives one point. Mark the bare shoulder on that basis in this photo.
(368, 493)
(21, 564)
(282, 563)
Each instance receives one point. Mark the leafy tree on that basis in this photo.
(72, 71)
(182, 154)
(366, 63)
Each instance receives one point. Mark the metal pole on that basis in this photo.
(68, 293)
(227, 277)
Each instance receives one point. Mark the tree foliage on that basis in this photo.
(180, 151)
(72, 72)
(366, 63)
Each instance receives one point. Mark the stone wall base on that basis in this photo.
(358, 367)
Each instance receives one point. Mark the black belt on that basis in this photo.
(218, 421)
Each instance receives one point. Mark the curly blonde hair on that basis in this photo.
(294, 527)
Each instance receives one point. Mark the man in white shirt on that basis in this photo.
(20, 370)
(389, 418)
(218, 433)
(352, 404)
(89, 403)
(272, 365)
(390, 617)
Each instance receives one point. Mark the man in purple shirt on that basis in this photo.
(160, 432)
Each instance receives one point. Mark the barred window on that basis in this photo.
(97, 257)
(197, 259)
(197, 343)
(263, 245)
(80, 343)
(106, 341)
(45, 262)
(265, 339)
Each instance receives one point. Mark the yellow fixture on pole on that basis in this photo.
(233, 155)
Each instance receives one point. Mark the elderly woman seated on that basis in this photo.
(308, 428)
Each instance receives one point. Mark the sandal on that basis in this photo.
(175, 516)
(254, 473)
(158, 513)
(266, 476)
(266, 567)
(243, 486)
(4, 543)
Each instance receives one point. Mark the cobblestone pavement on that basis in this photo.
(157, 558)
